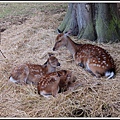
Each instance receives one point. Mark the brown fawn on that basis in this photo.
(52, 83)
(27, 73)
(93, 58)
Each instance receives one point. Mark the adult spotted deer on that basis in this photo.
(28, 73)
(93, 58)
(52, 83)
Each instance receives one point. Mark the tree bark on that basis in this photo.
(95, 21)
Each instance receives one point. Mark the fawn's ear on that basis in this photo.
(59, 31)
(58, 74)
(68, 33)
(50, 54)
(46, 62)
(69, 74)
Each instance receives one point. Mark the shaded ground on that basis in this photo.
(28, 38)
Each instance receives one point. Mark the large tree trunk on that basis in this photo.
(94, 21)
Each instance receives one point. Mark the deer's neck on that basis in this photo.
(71, 46)
(49, 68)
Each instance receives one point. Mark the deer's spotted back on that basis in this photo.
(96, 56)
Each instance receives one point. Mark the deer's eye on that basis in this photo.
(59, 41)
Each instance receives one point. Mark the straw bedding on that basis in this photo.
(30, 42)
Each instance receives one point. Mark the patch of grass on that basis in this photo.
(17, 13)
(15, 9)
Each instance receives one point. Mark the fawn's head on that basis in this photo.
(61, 40)
(52, 61)
(65, 79)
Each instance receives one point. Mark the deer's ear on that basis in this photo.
(69, 74)
(59, 31)
(58, 74)
(46, 62)
(68, 32)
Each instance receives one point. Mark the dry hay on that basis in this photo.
(30, 42)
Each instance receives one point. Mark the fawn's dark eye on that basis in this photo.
(59, 41)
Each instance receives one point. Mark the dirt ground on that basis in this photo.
(29, 39)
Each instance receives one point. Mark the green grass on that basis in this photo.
(17, 9)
